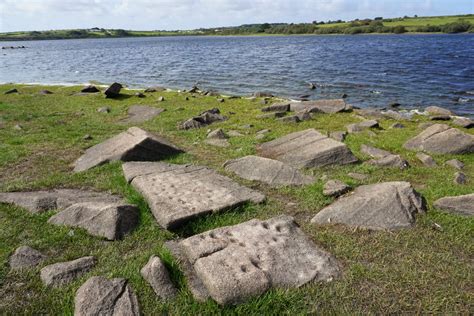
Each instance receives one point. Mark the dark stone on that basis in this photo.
(11, 91)
(114, 90)
(90, 89)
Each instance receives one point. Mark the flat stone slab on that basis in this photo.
(442, 139)
(388, 205)
(156, 274)
(272, 172)
(41, 201)
(141, 113)
(134, 144)
(383, 158)
(461, 205)
(101, 296)
(236, 263)
(109, 220)
(26, 257)
(178, 193)
(323, 106)
(307, 149)
(62, 273)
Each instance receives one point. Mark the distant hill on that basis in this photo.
(437, 24)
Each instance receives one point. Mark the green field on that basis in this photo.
(425, 269)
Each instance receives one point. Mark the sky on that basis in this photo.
(28, 15)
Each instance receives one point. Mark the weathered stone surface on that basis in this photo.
(335, 188)
(323, 106)
(462, 205)
(463, 122)
(90, 89)
(114, 90)
(101, 296)
(427, 160)
(388, 205)
(62, 273)
(109, 220)
(141, 113)
(304, 116)
(374, 152)
(436, 110)
(340, 136)
(455, 164)
(134, 144)
(277, 107)
(217, 134)
(26, 257)
(156, 274)
(442, 139)
(272, 172)
(178, 193)
(384, 158)
(359, 127)
(203, 119)
(460, 178)
(307, 149)
(238, 262)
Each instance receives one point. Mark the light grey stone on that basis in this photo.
(340, 136)
(384, 158)
(134, 144)
(436, 110)
(156, 274)
(62, 273)
(272, 172)
(26, 257)
(233, 133)
(104, 219)
(461, 205)
(455, 164)
(306, 149)
(104, 297)
(463, 122)
(290, 119)
(104, 109)
(217, 134)
(358, 176)
(178, 193)
(203, 119)
(323, 106)
(362, 126)
(277, 107)
(442, 139)
(141, 113)
(427, 160)
(271, 115)
(335, 188)
(236, 263)
(217, 142)
(374, 152)
(388, 205)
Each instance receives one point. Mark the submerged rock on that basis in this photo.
(461, 205)
(26, 257)
(101, 296)
(235, 263)
(62, 273)
(307, 149)
(178, 193)
(272, 172)
(134, 144)
(442, 139)
(388, 205)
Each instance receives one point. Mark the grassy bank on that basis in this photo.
(439, 24)
(411, 271)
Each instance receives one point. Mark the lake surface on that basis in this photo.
(414, 70)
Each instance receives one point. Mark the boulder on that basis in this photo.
(360, 127)
(442, 139)
(156, 274)
(140, 113)
(272, 172)
(388, 205)
(26, 257)
(178, 193)
(335, 188)
(236, 263)
(436, 110)
(427, 160)
(62, 273)
(90, 89)
(307, 149)
(134, 144)
(277, 107)
(461, 205)
(113, 91)
(217, 134)
(340, 136)
(455, 164)
(101, 296)
(463, 122)
(103, 219)
(203, 119)
(323, 106)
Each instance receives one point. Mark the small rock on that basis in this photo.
(90, 89)
(87, 137)
(304, 116)
(45, 92)
(359, 127)
(26, 257)
(140, 95)
(161, 99)
(290, 119)
(440, 117)
(220, 100)
(62, 273)
(203, 119)
(217, 142)
(104, 109)
(335, 188)
(344, 96)
(427, 160)
(113, 91)
(436, 110)
(461, 205)
(277, 107)
(186, 99)
(338, 135)
(264, 131)
(247, 126)
(455, 164)
(394, 105)
(312, 86)
(463, 122)
(11, 91)
(271, 115)
(154, 89)
(138, 114)
(156, 274)
(233, 133)
(397, 125)
(460, 178)
(18, 127)
(260, 94)
(264, 102)
(101, 296)
(358, 176)
(217, 134)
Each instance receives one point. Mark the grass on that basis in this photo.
(419, 270)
